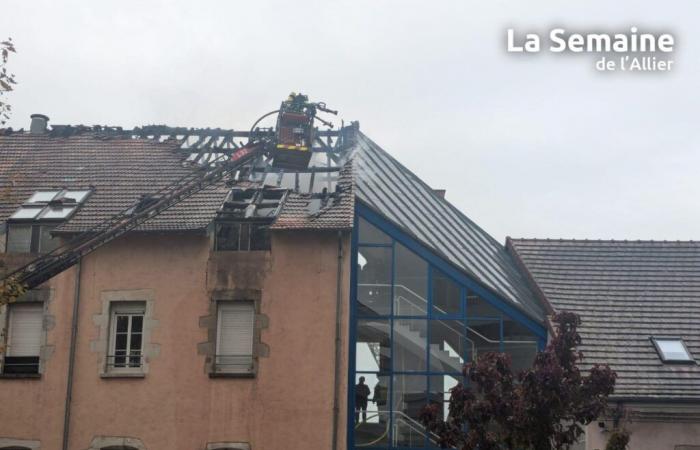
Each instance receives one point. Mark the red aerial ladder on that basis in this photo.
(289, 146)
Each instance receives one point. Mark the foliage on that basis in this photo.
(540, 408)
(11, 290)
(7, 80)
(618, 440)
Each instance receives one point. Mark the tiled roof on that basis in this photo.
(336, 212)
(395, 192)
(122, 169)
(626, 292)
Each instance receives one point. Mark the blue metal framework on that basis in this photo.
(466, 285)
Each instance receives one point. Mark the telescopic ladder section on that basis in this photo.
(55, 262)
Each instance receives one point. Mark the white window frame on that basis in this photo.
(130, 309)
(229, 363)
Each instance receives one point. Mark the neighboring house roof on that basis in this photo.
(625, 293)
(395, 192)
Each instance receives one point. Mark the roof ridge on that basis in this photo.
(615, 241)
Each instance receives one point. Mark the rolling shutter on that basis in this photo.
(235, 329)
(25, 329)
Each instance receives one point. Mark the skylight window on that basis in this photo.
(672, 350)
(50, 205)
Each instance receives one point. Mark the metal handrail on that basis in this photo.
(408, 420)
(490, 341)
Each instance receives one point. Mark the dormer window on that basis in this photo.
(672, 350)
(29, 227)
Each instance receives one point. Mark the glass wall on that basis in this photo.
(414, 329)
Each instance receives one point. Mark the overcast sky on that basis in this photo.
(527, 146)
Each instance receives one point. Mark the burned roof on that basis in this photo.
(398, 194)
(626, 292)
(120, 168)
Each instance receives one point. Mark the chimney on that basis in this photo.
(440, 193)
(39, 124)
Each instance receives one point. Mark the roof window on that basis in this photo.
(50, 205)
(672, 350)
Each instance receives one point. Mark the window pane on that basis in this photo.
(136, 324)
(447, 296)
(78, 196)
(483, 335)
(374, 281)
(25, 212)
(478, 307)
(447, 345)
(56, 212)
(227, 236)
(372, 351)
(135, 348)
(19, 238)
(122, 324)
(410, 284)
(371, 410)
(673, 350)
(245, 237)
(260, 237)
(409, 398)
(42, 197)
(369, 234)
(47, 243)
(520, 343)
(440, 386)
(120, 343)
(410, 345)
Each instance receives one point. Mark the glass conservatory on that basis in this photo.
(415, 321)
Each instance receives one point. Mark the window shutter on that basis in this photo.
(25, 329)
(236, 321)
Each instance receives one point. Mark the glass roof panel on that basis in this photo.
(26, 212)
(78, 196)
(56, 213)
(42, 196)
(672, 350)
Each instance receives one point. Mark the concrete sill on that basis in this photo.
(12, 376)
(123, 375)
(232, 375)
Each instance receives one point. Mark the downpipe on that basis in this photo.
(71, 357)
(338, 342)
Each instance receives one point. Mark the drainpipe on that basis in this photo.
(338, 342)
(71, 357)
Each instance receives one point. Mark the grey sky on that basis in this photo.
(527, 146)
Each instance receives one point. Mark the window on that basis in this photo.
(28, 238)
(126, 337)
(234, 339)
(242, 236)
(29, 227)
(672, 350)
(24, 338)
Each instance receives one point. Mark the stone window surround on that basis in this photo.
(49, 322)
(19, 443)
(116, 442)
(228, 446)
(102, 321)
(209, 323)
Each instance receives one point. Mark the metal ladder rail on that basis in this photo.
(51, 264)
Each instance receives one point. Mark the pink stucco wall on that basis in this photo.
(288, 405)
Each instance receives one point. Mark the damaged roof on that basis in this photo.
(397, 193)
(625, 292)
(120, 170)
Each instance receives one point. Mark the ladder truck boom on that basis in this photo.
(51, 264)
(290, 147)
